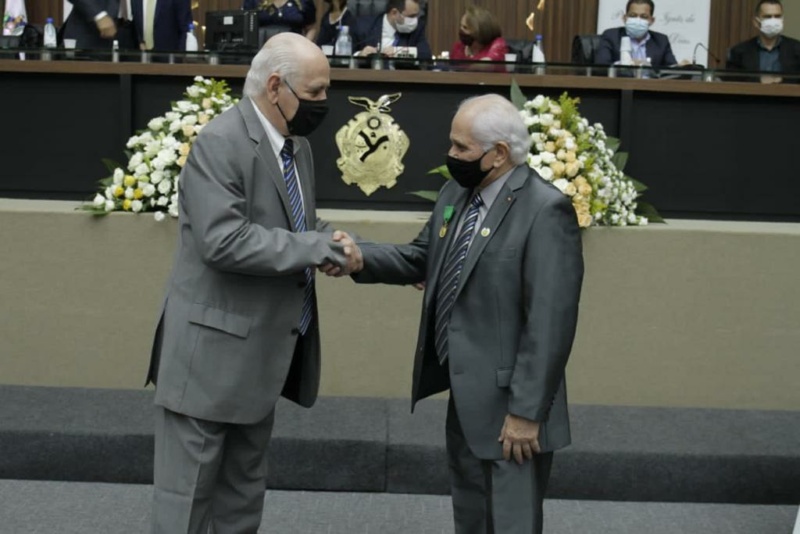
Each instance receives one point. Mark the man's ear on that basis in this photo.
(273, 84)
(503, 153)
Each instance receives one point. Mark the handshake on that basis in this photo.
(355, 262)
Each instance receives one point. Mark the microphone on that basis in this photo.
(704, 47)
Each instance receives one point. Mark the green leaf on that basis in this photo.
(443, 170)
(105, 182)
(110, 164)
(612, 143)
(619, 160)
(649, 211)
(427, 195)
(639, 186)
(517, 97)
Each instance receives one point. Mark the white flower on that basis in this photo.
(547, 119)
(109, 205)
(156, 176)
(129, 193)
(109, 192)
(159, 216)
(561, 184)
(173, 210)
(156, 124)
(99, 200)
(548, 157)
(119, 174)
(535, 161)
(135, 161)
(169, 155)
(164, 187)
(189, 120)
(149, 190)
(198, 128)
(538, 102)
(162, 201)
(172, 116)
(193, 91)
(136, 206)
(199, 79)
(141, 170)
(184, 106)
(546, 173)
(174, 126)
(132, 141)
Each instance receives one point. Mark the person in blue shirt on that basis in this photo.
(276, 16)
(336, 17)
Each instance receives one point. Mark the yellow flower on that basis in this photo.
(550, 147)
(181, 161)
(585, 189)
(572, 169)
(584, 220)
(126, 204)
(206, 103)
(202, 118)
(562, 154)
(129, 181)
(119, 191)
(183, 150)
(579, 181)
(571, 157)
(570, 190)
(138, 194)
(188, 130)
(558, 168)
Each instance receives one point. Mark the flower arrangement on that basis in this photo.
(156, 155)
(582, 162)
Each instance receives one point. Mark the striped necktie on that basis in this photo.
(451, 272)
(299, 218)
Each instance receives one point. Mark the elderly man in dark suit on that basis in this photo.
(239, 324)
(645, 44)
(399, 27)
(162, 24)
(92, 23)
(770, 51)
(502, 264)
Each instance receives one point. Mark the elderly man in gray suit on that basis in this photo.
(501, 258)
(239, 322)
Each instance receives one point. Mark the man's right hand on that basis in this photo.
(107, 28)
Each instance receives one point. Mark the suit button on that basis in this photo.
(295, 331)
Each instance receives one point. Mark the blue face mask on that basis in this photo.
(636, 28)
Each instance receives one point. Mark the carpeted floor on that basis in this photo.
(35, 507)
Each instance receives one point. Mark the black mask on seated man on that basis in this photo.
(467, 174)
(309, 114)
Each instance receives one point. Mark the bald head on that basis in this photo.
(493, 119)
(287, 55)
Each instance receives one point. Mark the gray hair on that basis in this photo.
(495, 120)
(277, 56)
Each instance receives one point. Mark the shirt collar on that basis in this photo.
(764, 48)
(276, 139)
(490, 192)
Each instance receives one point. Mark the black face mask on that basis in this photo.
(308, 116)
(465, 38)
(467, 174)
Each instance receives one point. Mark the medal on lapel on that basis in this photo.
(448, 215)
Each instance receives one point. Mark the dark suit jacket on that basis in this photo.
(328, 33)
(745, 56)
(658, 48)
(515, 312)
(171, 23)
(80, 24)
(372, 29)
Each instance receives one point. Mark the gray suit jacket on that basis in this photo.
(80, 24)
(515, 314)
(228, 328)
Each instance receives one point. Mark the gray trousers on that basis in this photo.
(208, 474)
(494, 496)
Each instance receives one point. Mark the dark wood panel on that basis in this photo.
(39, 10)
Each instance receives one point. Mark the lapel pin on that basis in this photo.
(485, 232)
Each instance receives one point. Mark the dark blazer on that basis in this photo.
(745, 56)
(658, 48)
(372, 30)
(515, 313)
(329, 32)
(80, 24)
(171, 23)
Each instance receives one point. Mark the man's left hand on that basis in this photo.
(355, 261)
(520, 438)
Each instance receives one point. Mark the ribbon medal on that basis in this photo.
(448, 215)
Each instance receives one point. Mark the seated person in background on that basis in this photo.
(398, 28)
(479, 37)
(336, 17)
(644, 43)
(769, 51)
(275, 16)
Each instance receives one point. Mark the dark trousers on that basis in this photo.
(494, 496)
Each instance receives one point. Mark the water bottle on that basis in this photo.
(625, 48)
(50, 34)
(344, 44)
(191, 40)
(115, 51)
(538, 50)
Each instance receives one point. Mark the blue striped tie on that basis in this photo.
(299, 218)
(451, 272)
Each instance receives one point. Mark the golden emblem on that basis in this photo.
(372, 145)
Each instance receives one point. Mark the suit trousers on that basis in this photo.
(494, 496)
(208, 473)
